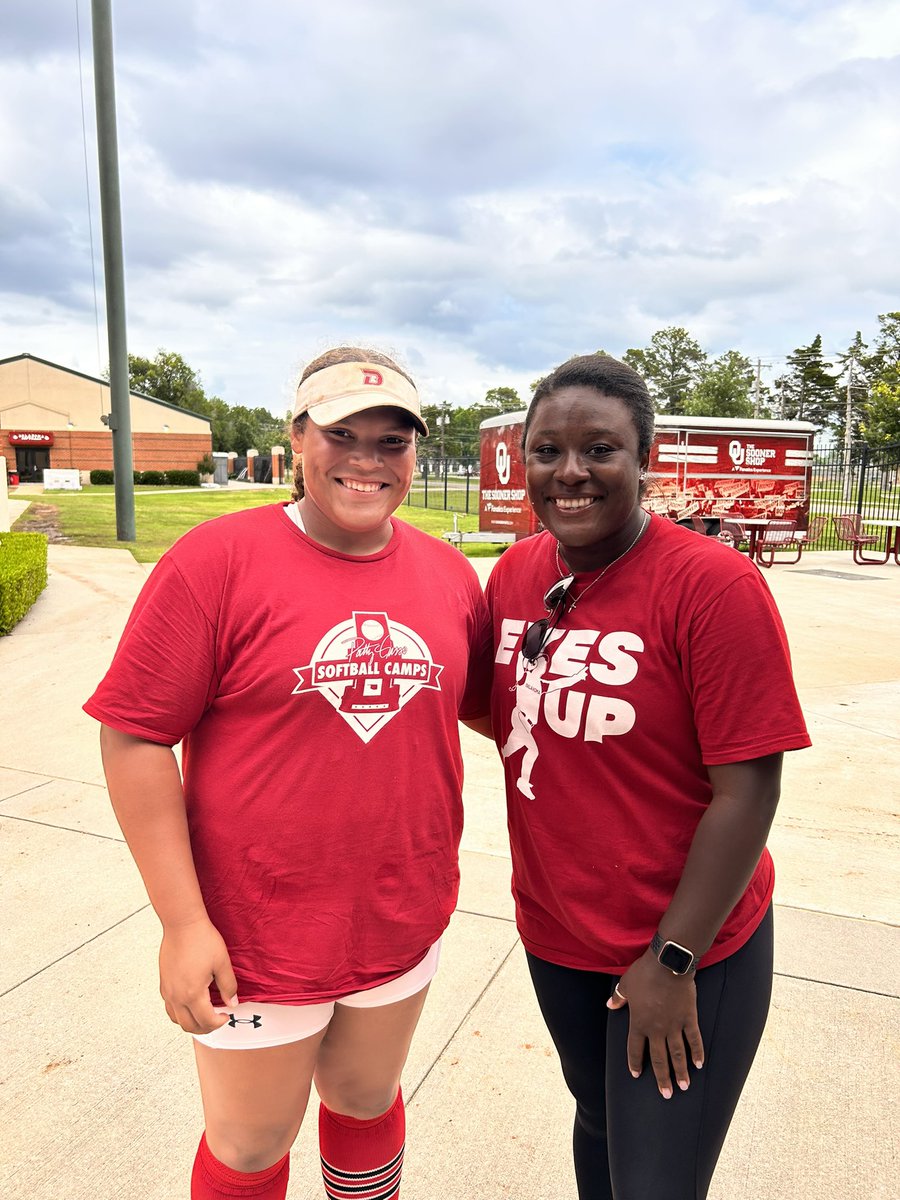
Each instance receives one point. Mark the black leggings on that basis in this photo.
(630, 1143)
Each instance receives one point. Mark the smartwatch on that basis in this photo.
(677, 959)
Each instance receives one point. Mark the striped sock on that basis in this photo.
(362, 1160)
(212, 1180)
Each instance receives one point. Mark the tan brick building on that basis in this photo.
(50, 416)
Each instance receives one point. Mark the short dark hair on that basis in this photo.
(610, 377)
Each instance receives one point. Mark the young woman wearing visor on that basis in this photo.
(314, 659)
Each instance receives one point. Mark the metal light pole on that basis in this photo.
(119, 419)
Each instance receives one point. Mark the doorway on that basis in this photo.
(31, 463)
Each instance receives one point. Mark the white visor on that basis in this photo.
(347, 388)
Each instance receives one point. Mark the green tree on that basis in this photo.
(502, 400)
(167, 377)
(671, 366)
(880, 414)
(883, 364)
(726, 388)
(806, 392)
(456, 431)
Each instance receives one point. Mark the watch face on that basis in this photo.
(676, 958)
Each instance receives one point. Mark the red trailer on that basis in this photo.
(705, 466)
(709, 466)
(503, 506)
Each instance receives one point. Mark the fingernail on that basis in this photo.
(635, 1074)
(683, 1084)
(698, 1065)
(666, 1093)
(233, 1002)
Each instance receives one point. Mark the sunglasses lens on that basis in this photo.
(533, 641)
(557, 594)
(536, 634)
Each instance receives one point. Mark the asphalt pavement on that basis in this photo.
(101, 1101)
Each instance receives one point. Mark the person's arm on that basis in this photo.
(146, 793)
(726, 847)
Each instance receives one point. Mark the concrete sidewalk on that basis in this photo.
(101, 1100)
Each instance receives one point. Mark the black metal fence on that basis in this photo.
(865, 481)
(452, 486)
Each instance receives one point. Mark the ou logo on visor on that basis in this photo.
(503, 462)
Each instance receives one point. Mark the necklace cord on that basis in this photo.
(645, 521)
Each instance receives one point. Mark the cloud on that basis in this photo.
(485, 187)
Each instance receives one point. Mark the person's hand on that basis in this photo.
(190, 958)
(662, 1012)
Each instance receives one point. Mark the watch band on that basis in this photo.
(673, 956)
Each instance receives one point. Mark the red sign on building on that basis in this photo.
(29, 437)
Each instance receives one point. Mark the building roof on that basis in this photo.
(105, 383)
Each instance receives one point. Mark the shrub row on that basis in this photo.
(23, 575)
(153, 478)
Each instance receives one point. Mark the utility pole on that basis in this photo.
(443, 420)
(848, 412)
(119, 419)
(848, 429)
(756, 399)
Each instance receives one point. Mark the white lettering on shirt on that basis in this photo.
(547, 689)
(618, 668)
(607, 717)
(510, 632)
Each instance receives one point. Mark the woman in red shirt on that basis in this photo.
(642, 702)
(306, 866)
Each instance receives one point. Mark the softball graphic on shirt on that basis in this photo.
(368, 668)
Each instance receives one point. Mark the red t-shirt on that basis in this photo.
(317, 695)
(676, 658)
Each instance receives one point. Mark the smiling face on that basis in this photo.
(582, 471)
(356, 472)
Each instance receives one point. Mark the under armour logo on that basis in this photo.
(255, 1021)
(375, 378)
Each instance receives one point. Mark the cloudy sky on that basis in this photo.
(484, 187)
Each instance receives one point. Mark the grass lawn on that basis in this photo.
(88, 518)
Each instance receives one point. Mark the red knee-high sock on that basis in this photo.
(362, 1160)
(212, 1180)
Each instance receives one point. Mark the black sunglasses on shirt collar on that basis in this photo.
(538, 632)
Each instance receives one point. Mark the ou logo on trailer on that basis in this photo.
(736, 452)
(503, 462)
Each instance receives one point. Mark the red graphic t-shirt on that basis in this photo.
(675, 659)
(317, 695)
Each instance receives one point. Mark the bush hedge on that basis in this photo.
(23, 575)
(153, 478)
(183, 478)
